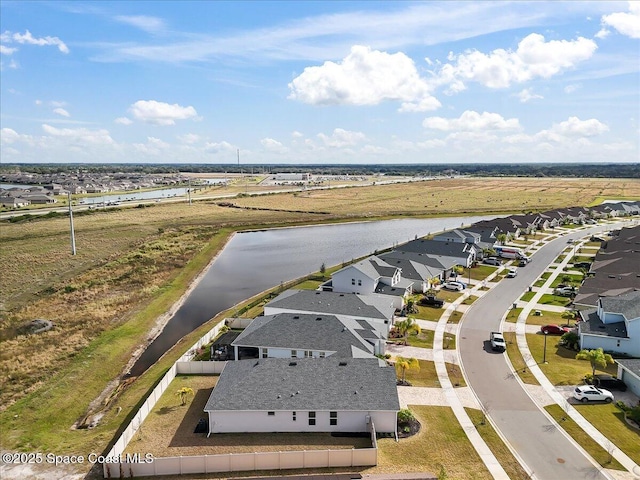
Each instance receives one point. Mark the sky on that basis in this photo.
(325, 82)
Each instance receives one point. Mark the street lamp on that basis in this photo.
(544, 355)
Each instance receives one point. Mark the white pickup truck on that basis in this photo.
(497, 341)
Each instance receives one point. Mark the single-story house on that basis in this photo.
(376, 309)
(13, 202)
(614, 326)
(300, 335)
(304, 395)
(416, 267)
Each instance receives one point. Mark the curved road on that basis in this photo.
(539, 443)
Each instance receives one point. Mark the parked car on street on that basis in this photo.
(608, 381)
(455, 286)
(589, 393)
(554, 330)
(513, 272)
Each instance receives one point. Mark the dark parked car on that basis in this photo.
(609, 382)
(585, 265)
(431, 301)
(554, 330)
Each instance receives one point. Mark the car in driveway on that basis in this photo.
(590, 393)
(565, 291)
(554, 330)
(492, 261)
(455, 286)
(602, 380)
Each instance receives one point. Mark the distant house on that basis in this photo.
(419, 268)
(376, 309)
(298, 335)
(13, 202)
(614, 326)
(39, 198)
(304, 395)
(448, 254)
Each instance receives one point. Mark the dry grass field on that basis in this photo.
(134, 263)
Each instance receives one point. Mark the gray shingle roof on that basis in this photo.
(627, 304)
(631, 364)
(334, 303)
(306, 384)
(299, 331)
(592, 325)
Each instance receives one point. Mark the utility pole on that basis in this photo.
(73, 233)
(189, 191)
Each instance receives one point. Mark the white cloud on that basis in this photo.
(533, 58)
(364, 77)
(189, 138)
(272, 145)
(61, 111)
(574, 127)
(160, 113)
(471, 121)
(123, 121)
(602, 33)
(57, 103)
(38, 102)
(28, 39)
(572, 88)
(342, 138)
(143, 22)
(154, 146)
(83, 135)
(296, 134)
(625, 23)
(526, 95)
(4, 50)
(219, 147)
(9, 136)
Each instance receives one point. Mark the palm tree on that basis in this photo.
(183, 393)
(407, 326)
(404, 364)
(597, 358)
(569, 315)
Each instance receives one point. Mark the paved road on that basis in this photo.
(544, 448)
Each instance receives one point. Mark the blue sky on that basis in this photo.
(319, 82)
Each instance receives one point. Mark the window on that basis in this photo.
(294, 416)
(312, 418)
(359, 282)
(271, 414)
(308, 354)
(322, 354)
(353, 281)
(333, 418)
(265, 353)
(294, 354)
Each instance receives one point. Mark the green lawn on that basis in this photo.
(428, 313)
(609, 420)
(422, 340)
(455, 317)
(441, 448)
(517, 361)
(549, 299)
(567, 278)
(513, 314)
(528, 296)
(598, 453)
(479, 272)
(548, 318)
(561, 368)
(425, 377)
(497, 446)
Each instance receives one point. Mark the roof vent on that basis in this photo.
(317, 293)
(342, 364)
(293, 364)
(296, 317)
(342, 294)
(318, 319)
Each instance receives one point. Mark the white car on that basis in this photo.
(589, 393)
(458, 287)
(512, 272)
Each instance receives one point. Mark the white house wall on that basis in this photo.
(287, 353)
(282, 421)
(632, 381)
(352, 280)
(627, 346)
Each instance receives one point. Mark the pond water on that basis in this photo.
(256, 261)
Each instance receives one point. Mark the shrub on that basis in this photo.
(405, 415)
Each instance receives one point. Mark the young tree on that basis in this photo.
(405, 364)
(596, 357)
(183, 393)
(323, 269)
(407, 326)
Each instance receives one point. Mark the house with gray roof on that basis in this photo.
(299, 335)
(629, 373)
(304, 395)
(419, 268)
(449, 254)
(373, 275)
(614, 326)
(376, 309)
